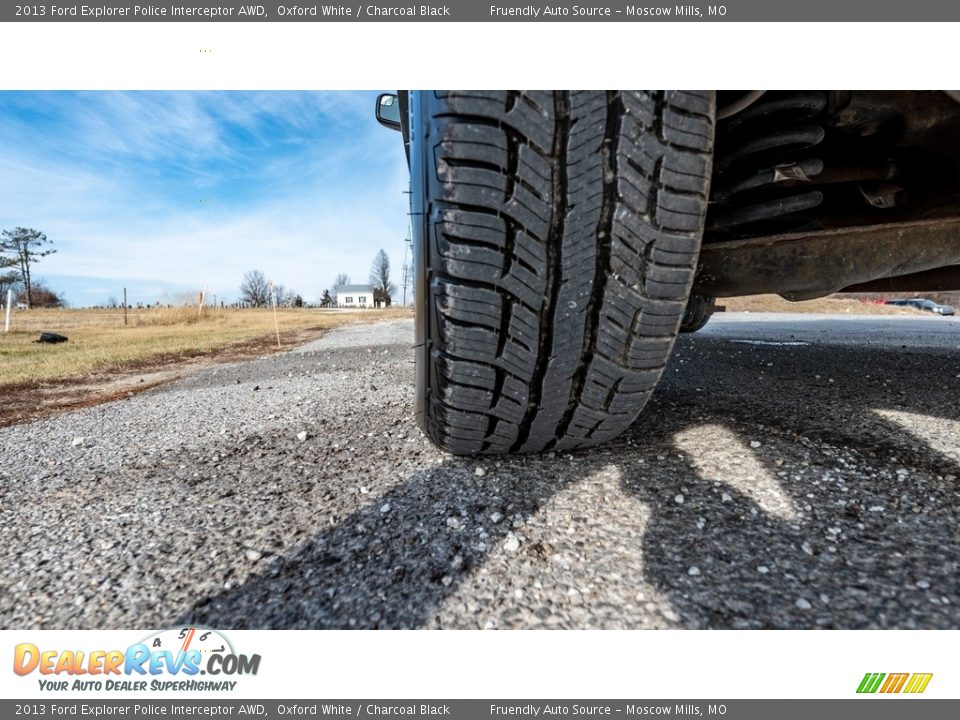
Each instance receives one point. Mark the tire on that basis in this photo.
(698, 312)
(52, 338)
(555, 237)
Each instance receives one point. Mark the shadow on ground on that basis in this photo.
(773, 494)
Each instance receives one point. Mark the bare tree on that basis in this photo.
(43, 297)
(285, 295)
(255, 290)
(22, 246)
(380, 279)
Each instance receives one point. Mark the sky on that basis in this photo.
(168, 193)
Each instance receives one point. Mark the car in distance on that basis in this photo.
(923, 304)
(563, 239)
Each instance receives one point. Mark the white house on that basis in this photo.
(354, 296)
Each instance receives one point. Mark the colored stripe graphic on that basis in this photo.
(894, 682)
(918, 682)
(870, 682)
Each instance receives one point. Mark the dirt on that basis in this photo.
(33, 400)
(834, 305)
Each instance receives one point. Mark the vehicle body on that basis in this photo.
(563, 239)
(923, 304)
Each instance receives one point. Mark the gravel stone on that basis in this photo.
(189, 482)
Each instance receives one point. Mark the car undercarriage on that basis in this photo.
(814, 192)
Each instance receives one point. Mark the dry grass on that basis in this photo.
(828, 305)
(99, 341)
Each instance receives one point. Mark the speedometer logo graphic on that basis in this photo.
(179, 640)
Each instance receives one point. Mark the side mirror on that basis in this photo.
(388, 111)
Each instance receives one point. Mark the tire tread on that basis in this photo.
(561, 233)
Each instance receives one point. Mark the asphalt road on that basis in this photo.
(790, 472)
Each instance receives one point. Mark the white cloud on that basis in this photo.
(301, 217)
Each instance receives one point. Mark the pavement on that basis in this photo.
(791, 471)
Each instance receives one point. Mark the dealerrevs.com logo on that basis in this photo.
(889, 683)
(168, 660)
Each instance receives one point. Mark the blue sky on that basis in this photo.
(169, 192)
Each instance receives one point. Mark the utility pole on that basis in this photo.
(124, 306)
(407, 245)
(6, 327)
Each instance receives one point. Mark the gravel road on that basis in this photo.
(790, 472)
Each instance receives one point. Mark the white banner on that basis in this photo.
(471, 664)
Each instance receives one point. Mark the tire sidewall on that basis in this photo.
(420, 173)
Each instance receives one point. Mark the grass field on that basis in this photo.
(100, 342)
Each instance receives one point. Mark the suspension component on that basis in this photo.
(784, 163)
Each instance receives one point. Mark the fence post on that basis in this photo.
(276, 322)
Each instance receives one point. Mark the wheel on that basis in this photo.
(698, 312)
(555, 238)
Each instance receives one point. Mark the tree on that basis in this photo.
(23, 248)
(297, 301)
(8, 279)
(380, 279)
(326, 301)
(43, 297)
(380, 298)
(286, 297)
(255, 290)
